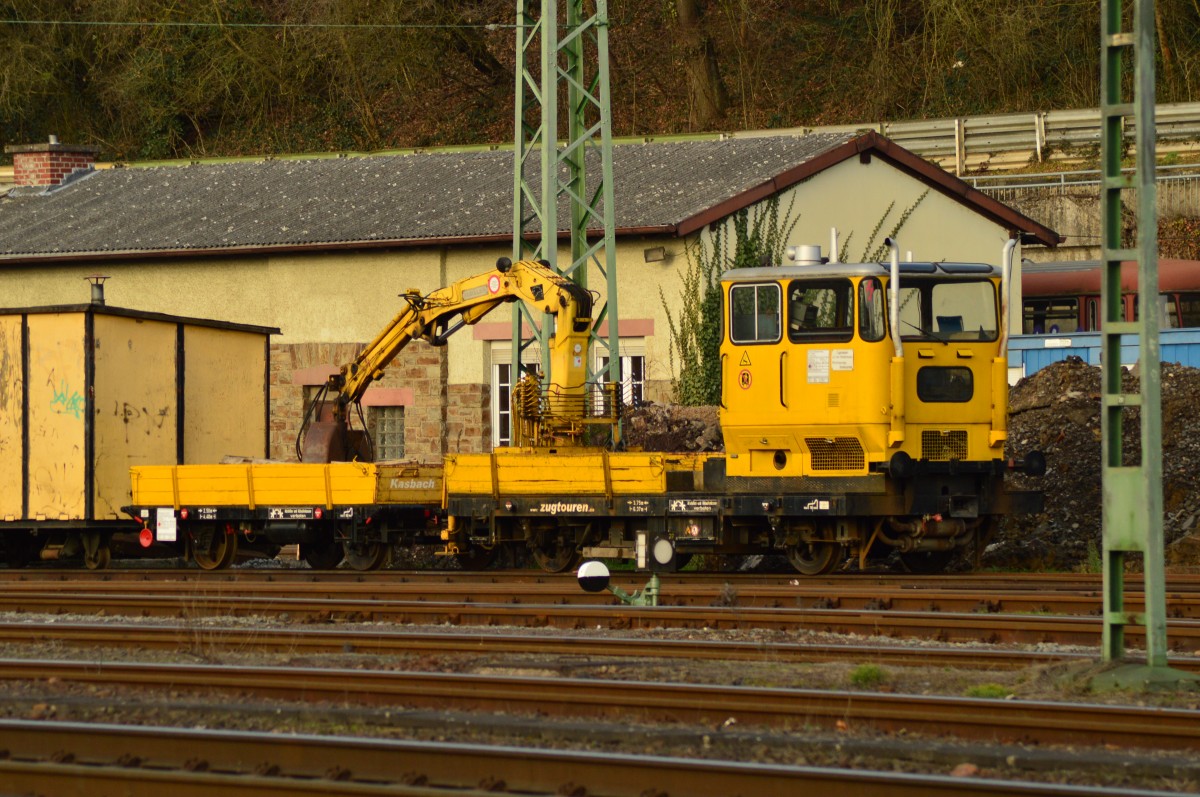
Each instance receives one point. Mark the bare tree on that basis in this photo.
(707, 96)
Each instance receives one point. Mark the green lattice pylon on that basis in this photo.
(1133, 495)
(572, 64)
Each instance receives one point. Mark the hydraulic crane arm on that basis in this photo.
(436, 316)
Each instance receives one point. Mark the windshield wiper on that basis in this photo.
(929, 333)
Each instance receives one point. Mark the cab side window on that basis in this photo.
(754, 313)
(871, 323)
(820, 310)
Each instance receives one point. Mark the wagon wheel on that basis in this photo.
(815, 558)
(218, 554)
(555, 556)
(322, 555)
(926, 562)
(477, 558)
(96, 554)
(366, 556)
(98, 558)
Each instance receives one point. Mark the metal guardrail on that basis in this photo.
(988, 182)
(1006, 141)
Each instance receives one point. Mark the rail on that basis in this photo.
(57, 757)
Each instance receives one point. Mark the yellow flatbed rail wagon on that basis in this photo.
(564, 503)
(342, 510)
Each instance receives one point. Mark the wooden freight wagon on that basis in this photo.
(87, 391)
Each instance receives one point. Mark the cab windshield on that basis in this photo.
(945, 310)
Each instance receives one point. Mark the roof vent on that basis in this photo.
(805, 255)
(97, 281)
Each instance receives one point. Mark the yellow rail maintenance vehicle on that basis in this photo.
(864, 411)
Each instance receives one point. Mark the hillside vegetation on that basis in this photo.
(272, 76)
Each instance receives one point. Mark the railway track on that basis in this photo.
(1028, 722)
(575, 648)
(1176, 581)
(1065, 596)
(147, 762)
(936, 625)
(302, 603)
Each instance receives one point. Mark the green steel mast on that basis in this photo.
(572, 59)
(1133, 496)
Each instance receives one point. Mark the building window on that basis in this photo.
(501, 404)
(502, 382)
(387, 432)
(633, 378)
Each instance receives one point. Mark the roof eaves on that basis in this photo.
(911, 164)
(779, 182)
(946, 183)
(252, 250)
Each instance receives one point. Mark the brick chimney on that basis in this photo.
(49, 164)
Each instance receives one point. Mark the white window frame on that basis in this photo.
(501, 362)
(631, 349)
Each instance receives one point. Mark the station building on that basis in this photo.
(321, 247)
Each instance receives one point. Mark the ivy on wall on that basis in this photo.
(751, 237)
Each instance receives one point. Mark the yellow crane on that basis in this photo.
(557, 413)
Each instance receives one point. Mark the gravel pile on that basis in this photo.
(670, 427)
(1056, 410)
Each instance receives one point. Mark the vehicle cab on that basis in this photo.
(840, 369)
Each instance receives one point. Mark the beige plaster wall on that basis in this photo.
(854, 196)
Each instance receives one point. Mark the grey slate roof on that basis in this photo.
(374, 200)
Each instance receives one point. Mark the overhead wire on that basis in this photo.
(314, 25)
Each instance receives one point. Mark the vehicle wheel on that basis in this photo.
(477, 558)
(98, 559)
(322, 555)
(219, 552)
(96, 553)
(926, 563)
(555, 557)
(815, 558)
(367, 556)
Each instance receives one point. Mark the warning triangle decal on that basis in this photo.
(745, 358)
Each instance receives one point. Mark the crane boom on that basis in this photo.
(437, 315)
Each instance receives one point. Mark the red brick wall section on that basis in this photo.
(287, 399)
(423, 369)
(48, 168)
(469, 419)
(440, 419)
